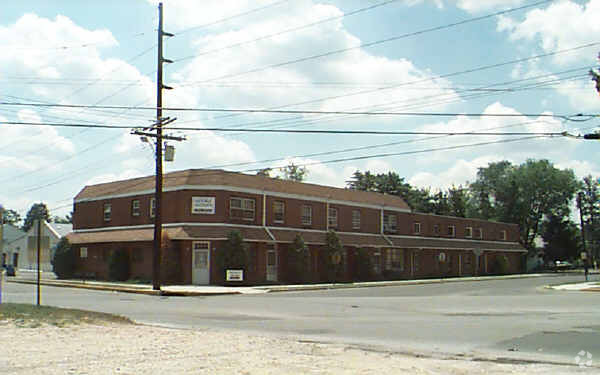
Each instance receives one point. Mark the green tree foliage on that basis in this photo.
(560, 237)
(523, 194)
(62, 220)
(63, 259)
(10, 216)
(589, 203)
(233, 256)
(294, 172)
(38, 211)
(266, 172)
(298, 261)
(118, 265)
(331, 250)
(500, 265)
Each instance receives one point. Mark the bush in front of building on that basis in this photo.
(63, 260)
(298, 261)
(234, 254)
(118, 265)
(363, 266)
(501, 265)
(331, 258)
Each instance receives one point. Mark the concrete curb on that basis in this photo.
(265, 289)
(124, 289)
(291, 288)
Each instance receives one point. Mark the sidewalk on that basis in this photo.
(591, 286)
(25, 277)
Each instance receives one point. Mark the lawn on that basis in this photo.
(31, 316)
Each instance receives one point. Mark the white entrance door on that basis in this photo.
(201, 263)
(271, 265)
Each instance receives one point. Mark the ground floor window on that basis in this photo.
(394, 260)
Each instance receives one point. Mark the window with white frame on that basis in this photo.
(390, 223)
(278, 211)
(355, 219)
(451, 230)
(394, 260)
(332, 217)
(417, 228)
(203, 205)
(152, 207)
(135, 207)
(306, 215)
(242, 208)
(502, 235)
(107, 211)
(479, 233)
(83, 253)
(469, 232)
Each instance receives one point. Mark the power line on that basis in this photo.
(377, 42)
(230, 17)
(269, 36)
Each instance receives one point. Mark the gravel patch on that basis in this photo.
(132, 349)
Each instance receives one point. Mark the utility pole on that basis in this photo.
(158, 126)
(38, 230)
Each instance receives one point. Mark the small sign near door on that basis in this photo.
(235, 275)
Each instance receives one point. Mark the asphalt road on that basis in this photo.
(501, 320)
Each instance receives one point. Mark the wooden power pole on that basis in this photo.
(158, 126)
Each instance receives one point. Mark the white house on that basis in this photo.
(13, 240)
(51, 233)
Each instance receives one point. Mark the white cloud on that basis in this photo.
(548, 28)
(460, 173)
(472, 6)
(110, 177)
(358, 69)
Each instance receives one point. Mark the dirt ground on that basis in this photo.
(134, 349)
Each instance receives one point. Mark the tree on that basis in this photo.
(233, 255)
(589, 203)
(61, 220)
(561, 239)
(362, 181)
(298, 261)
(332, 252)
(63, 260)
(294, 173)
(38, 211)
(523, 195)
(10, 217)
(265, 172)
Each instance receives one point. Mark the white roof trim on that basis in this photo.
(247, 191)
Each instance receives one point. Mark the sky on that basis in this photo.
(432, 66)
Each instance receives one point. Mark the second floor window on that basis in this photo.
(390, 223)
(306, 215)
(479, 233)
(417, 228)
(355, 219)
(332, 217)
(436, 230)
(107, 211)
(135, 207)
(241, 208)
(451, 230)
(278, 211)
(468, 232)
(502, 235)
(152, 207)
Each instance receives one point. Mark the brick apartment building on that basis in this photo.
(201, 207)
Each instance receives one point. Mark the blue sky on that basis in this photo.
(104, 53)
